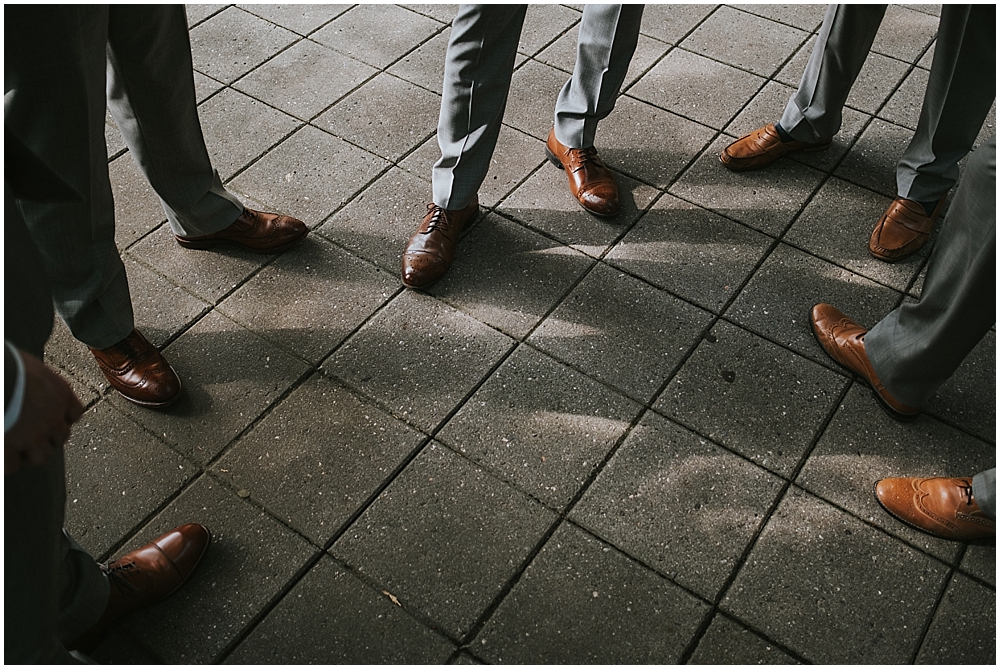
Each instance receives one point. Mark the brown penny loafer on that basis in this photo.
(761, 148)
(943, 507)
(139, 372)
(431, 249)
(590, 180)
(253, 230)
(148, 575)
(902, 230)
(844, 341)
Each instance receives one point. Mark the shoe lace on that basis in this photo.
(439, 219)
(128, 350)
(120, 573)
(967, 489)
(587, 155)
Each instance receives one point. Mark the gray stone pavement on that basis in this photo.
(593, 441)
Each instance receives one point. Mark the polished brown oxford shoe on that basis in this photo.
(902, 230)
(148, 575)
(761, 148)
(431, 249)
(590, 180)
(844, 341)
(253, 230)
(139, 372)
(943, 507)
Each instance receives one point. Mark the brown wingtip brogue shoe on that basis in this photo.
(590, 181)
(943, 507)
(139, 372)
(148, 575)
(254, 230)
(903, 229)
(431, 249)
(844, 341)
(762, 147)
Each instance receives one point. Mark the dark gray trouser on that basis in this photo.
(478, 69)
(959, 94)
(918, 346)
(63, 65)
(984, 489)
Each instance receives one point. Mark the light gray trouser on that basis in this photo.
(984, 489)
(959, 94)
(478, 69)
(919, 345)
(64, 65)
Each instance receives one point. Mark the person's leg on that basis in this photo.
(984, 489)
(918, 346)
(960, 92)
(815, 112)
(604, 48)
(150, 93)
(54, 74)
(477, 72)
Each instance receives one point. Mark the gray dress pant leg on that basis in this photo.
(478, 68)
(960, 92)
(815, 112)
(984, 489)
(604, 48)
(918, 346)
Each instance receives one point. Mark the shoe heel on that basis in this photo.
(195, 244)
(552, 158)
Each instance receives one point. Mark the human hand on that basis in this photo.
(50, 408)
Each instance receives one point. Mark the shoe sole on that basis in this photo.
(808, 149)
(558, 163)
(212, 243)
(901, 417)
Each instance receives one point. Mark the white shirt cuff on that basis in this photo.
(13, 411)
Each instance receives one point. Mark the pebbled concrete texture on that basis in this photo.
(594, 440)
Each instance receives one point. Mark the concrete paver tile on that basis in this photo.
(540, 426)
(420, 162)
(330, 617)
(873, 159)
(234, 42)
(443, 12)
(377, 34)
(117, 474)
(196, 13)
(808, 17)
(309, 301)
(670, 23)
(543, 24)
(621, 331)
(745, 41)
(137, 207)
(766, 200)
(205, 87)
(165, 308)
(778, 300)
(836, 226)
(691, 252)
(424, 66)
(317, 457)
(969, 397)
(239, 129)
(310, 175)
(903, 108)
(728, 642)
(531, 102)
(389, 130)
(545, 203)
(251, 560)
(697, 88)
(648, 143)
(833, 589)
(682, 505)
(302, 19)
(905, 33)
(418, 358)
(230, 376)
(863, 444)
(981, 562)
(444, 538)
(305, 79)
(964, 627)
(752, 396)
(64, 351)
(509, 277)
(112, 136)
(583, 602)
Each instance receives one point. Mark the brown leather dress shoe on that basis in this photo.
(148, 575)
(590, 180)
(902, 230)
(431, 249)
(254, 230)
(844, 341)
(139, 372)
(761, 148)
(943, 507)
